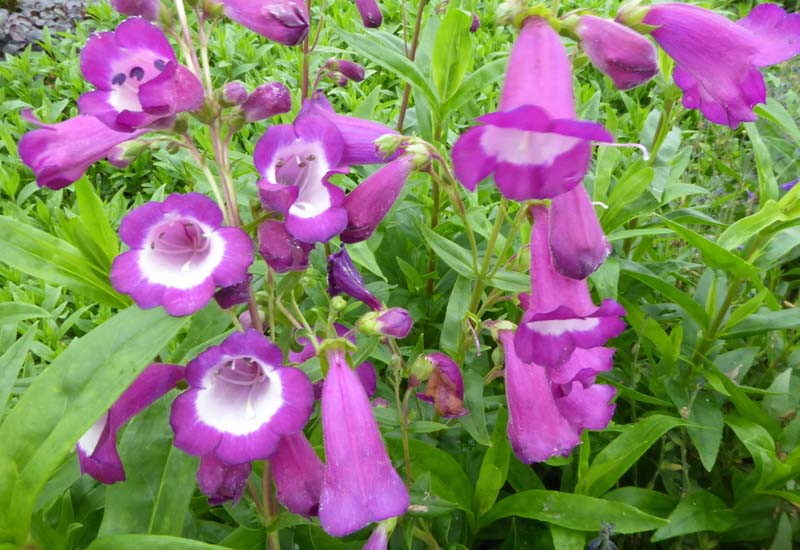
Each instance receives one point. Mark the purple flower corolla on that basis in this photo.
(395, 322)
(533, 144)
(284, 21)
(372, 199)
(235, 294)
(343, 278)
(97, 448)
(241, 400)
(298, 474)
(577, 243)
(138, 79)
(360, 485)
(267, 101)
(717, 60)
(788, 186)
(379, 539)
(546, 418)
(370, 13)
(222, 482)
(445, 388)
(622, 54)
(179, 254)
(148, 9)
(280, 249)
(476, 22)
(561, 315)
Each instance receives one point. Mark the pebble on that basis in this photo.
(24, 25)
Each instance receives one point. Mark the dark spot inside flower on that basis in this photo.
(311, 158)
(159, 64)
(301, 164)
(119, 79)
(137, 73)
(279, 163)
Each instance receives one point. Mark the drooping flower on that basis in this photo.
(624, 55)
(360, 485)
(445, 389)
(267, 101)
(280, 249)
(179, 254)
(534, 145)
(241, 400)
(717, 60)
(60, 153)
(561, 315)
(138, 79)
(284, 21)
(343, 278)
(370, 13)
(97, 448)
(149, 9)
(222, 482)
(298, 474)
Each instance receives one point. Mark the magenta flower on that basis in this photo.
(60, 153)
(234, 295)
(138, 79)
(394, 322)
(379, 539)
(241, 400)
(179, 254)
(145, 8)
(222, 482)
(370, 13)
(234, 93)
(717, 60)
(97, 448)
(561, 314)
(476, 22)
(360, 485)
(546, 418)
(624, 55)
(267, 101)
(284, 21)
(533, 144)
(445, 389)
(343, 278)
(298, 474)
(342, 71)
(372, 199)
(280, 249)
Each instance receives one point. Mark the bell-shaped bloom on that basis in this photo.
(267, 101)
(717, 60)
(533, 144)
(222, 482)
(298, 474)
(234, 295)
(546, 418)
(625, 56)
(561, 315)
(60, 153)
(578, 245)
(148, 9)
(445, 389)
(372, 199)
(360, 485)
(370, 13)
(138, 79)
(241, 400)
(284, 21)
(394, 322)
(280, 249)
(179, 254)
(97, 448)
(343, 278)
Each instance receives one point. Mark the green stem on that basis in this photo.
(187, 36)
(434, 222)
(411, 55)
(269, 506)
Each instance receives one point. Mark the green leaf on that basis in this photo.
(94, 218)
(618, 456)
(769, 470)
(767, 184)
(578, 512)
(452, 52)
(148, 542)
(511, 281)
(647, 500)
(765, 321)
(778, 114)
(476, 82)
(63, 402)
(744, 405)
(13, 312)
(459, 259)
(363, 256)
(741, 230)
(703, 410)
(567, 539)
(699, 511)
(475, 421)
(630, 187)
(494, 467)
(457, 306)
(10, 363)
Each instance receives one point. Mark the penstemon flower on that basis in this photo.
(179, 254)
(149, 9)
(138, 79)
(370, 13)
(284, 21)
(222, 482)
(445, 388)
(267, 101)
(298, 475)
(280, 249)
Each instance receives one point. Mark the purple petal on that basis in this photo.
(267, 101)
(471, 163)
(370, 13)
(175, 90)
(284, 21)
(343, 278)
(777, 33)
(145, 8)
(281, 250)
(298, 474)
(222, 482)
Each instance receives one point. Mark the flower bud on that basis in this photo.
(280, 249)
(343, 278)
(394, 322)
(230, 296)
(222, 482)
(476, 22)
(387, 144)
(285, 21)
(421, 370)
(370, 13)
(445, 387)
(267, 100)
(342, 70)
(234, 93)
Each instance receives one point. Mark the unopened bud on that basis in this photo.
(338, 303)
(421, 369)
(267, 100)
(234, 93)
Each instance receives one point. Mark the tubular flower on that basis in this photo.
(284, 21)
(179, 254)
(235, 294)
(546, 418)
(717, 60)
(148, 9)
(267, 101)
(60, 153)
(370, 13)
(97, 449)
(138, 79)
(445, 389)
(625, 56)
(221, 482)
(280, 249)
(360, 484)
(533, 144)
(298, 474)
(343, 278)
(394, 322)
(241, 400)
(561, 316)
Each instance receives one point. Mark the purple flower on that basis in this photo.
(476, 22)
(235, 294)
(97, 448)
(179, 254)
(370, 13)
(241, 400)
(717, 60)
(266, 101)
(561, 314)
(379, 539)
(343, 278)
(138, 79)
(343, 71)
(445, 389)
(280, 249)
(284, 21)
(533, 144)
(60, 153)
(546, 418)
(394, 322)
(221, 482)
(234, 93)
(360, 485)
(298, 474)
(578, 245)
(372, 199)
(788, 186)
(624, 55)
(145, 8)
